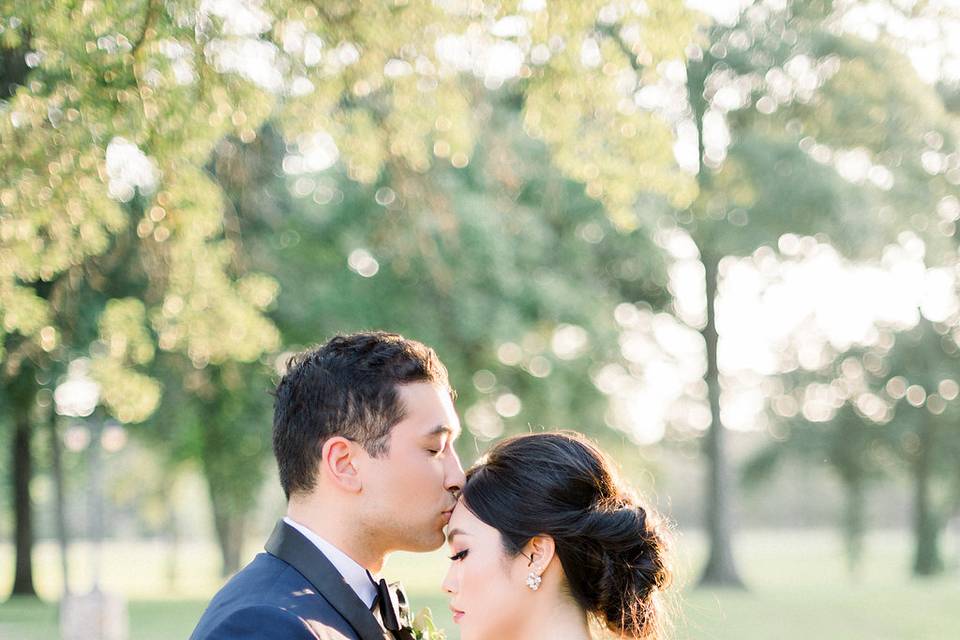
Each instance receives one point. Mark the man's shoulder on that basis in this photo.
(267, 572)
(269, 598)
(264, 621)
(254, 621)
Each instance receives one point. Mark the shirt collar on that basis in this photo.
(353, 574)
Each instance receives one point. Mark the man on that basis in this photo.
(363, 433)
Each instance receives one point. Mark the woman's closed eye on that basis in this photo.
(459, 556)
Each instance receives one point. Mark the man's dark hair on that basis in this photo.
(346, 387)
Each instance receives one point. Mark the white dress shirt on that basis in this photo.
(353, 574)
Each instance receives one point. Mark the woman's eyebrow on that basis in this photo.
(456, 532)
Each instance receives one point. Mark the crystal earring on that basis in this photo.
(533, 581)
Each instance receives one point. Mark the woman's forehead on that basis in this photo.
(466, 522)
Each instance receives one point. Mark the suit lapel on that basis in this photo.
(290, 546)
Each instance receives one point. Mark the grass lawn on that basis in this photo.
(798, 589)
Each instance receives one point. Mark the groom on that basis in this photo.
(363, 433)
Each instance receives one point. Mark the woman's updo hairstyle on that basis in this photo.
(611, 548)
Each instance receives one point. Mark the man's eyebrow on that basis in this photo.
(441, 429)
(456, 532)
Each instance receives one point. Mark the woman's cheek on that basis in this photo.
(476, 611)
(489, 603)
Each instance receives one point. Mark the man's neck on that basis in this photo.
(342, 532)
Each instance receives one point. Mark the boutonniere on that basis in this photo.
(424, 627)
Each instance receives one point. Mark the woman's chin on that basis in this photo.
(467, 632)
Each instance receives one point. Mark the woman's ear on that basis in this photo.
(539, 552)
(338, 464)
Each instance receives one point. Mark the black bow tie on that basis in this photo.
(384, 601)
(391, 603)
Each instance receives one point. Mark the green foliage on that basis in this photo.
(103, 73)
(163, 79)
(808, 103)
(128, 394)
(895, 418)
(799, 131)
(148, 151)
(579, 100)
(386, 90)
(920, 382)
(488, 264)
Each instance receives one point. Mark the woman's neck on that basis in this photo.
(559, 619)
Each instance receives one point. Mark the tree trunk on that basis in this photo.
(22, 393)
(230, 533)
(95, 497)
(721, 569)
(14, 67)
(854, 522)
(56, 469)
(173, 538)
(926, 525)
(229, 510)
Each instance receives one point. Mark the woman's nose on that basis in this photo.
(449, 583)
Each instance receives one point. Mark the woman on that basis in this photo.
(545, 540)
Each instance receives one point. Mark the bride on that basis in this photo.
(545, 541)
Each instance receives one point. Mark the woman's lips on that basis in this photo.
(456, 616)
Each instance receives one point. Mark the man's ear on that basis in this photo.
(338, 465)
(540, 551)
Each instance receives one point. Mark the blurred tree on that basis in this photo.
(114, 108)
(504, 266)
(391, 85)
(384, 90)
(110, 234)
(20, 400)
(218, 417)
(127, 101)
(896, 405)
(855, 442)
(788, 141)
(848, 444)
(788, 168)
(461, 243)
(404, 102)
(922, 382)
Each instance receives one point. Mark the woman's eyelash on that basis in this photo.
(459, 556)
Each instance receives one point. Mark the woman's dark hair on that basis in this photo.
(612, 549)
(346, 387)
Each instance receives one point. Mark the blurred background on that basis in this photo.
(718, 236)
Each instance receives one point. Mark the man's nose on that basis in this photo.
(455, 477)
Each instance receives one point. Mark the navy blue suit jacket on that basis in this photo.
(292, 592)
